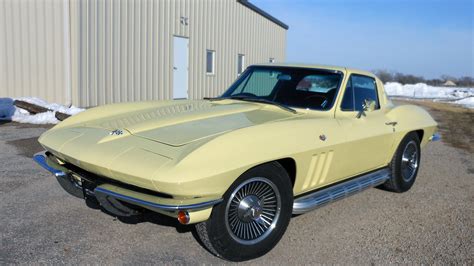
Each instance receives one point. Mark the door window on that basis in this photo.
(359, 88)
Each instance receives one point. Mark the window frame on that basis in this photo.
(213, 62)
(349, 81)
(377, 101)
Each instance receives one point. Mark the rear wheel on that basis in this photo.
(405, 164)
(253, 216)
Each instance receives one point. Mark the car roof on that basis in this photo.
(335, 68)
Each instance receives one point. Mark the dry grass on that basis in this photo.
(456, 123)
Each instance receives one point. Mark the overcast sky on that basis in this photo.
(421, 37)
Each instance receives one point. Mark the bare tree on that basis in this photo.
(384, 75)
(387, 76)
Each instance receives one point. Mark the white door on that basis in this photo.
(180, 68)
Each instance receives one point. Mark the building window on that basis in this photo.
(271, 60)
(240, 63)
(210, 62)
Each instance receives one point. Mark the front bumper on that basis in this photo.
(110, 194)
(435, 137)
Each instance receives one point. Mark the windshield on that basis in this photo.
(288, 86)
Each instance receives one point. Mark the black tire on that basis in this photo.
(401, 181)
(220, 235)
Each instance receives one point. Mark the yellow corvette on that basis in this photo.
(282, 140)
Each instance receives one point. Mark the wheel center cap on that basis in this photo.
(413, 160)
(250, 208)
(255, 212)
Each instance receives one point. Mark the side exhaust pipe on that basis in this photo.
(340, 191)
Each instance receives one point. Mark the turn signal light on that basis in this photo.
(183, 217)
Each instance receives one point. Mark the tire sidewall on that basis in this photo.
(397, 168)
(221, 238)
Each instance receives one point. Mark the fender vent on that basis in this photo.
(318, 169)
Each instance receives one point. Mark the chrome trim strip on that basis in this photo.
(152, 205)
(435, 137)
(327, 195)
(40, 158)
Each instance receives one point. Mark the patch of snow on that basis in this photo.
(425, 91)
(51, 106)
(462, 96)
(41, 118)
(467, 102)
(13, 113)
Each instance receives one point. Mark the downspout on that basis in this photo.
(67, 52)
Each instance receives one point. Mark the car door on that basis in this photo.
(369, 134)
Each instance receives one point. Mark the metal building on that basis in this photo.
(93, 52)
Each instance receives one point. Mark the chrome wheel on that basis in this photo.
(409, 161)
(253, 210)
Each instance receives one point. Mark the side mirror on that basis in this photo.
(367, 106)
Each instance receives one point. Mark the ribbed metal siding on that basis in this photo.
(125, 47)
(34, 48)
(93, 52)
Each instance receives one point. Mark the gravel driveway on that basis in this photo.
(433, 222)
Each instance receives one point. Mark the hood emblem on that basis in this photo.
(322, 137)
(116, 132)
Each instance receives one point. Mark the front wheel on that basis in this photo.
(405, 164)
(253, 216)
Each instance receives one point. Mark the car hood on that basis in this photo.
(182, 122)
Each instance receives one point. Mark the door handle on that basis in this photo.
(391, 123)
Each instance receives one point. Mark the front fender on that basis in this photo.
(214, 166)
(411, 118)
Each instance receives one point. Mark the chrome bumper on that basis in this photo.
(40, 158)
(75, 188)
(435, 137)
(155, 206)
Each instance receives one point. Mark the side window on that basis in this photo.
(359, 88)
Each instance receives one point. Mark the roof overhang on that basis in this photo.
(263, 13)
